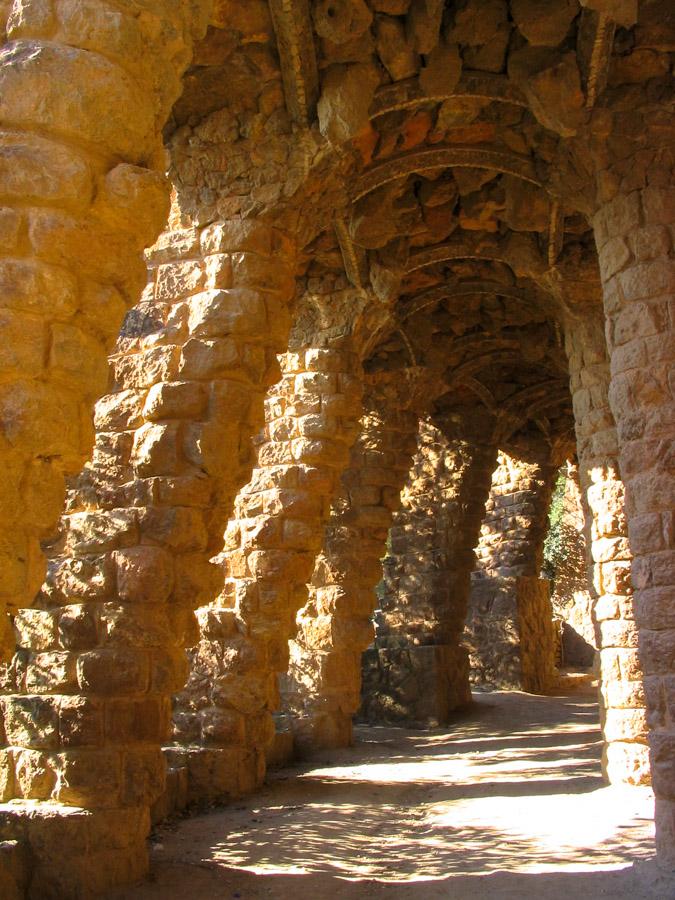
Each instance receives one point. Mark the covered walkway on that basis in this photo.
(507, 803)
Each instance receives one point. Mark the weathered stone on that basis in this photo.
(543, 26)
(347, 93)
(423, 23)
(397, 55)
(442, 70)
(341, 20)
(552, 85)
(476, 22)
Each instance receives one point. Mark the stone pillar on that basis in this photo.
(634, 236)
(602, 492)
(87, 700)
(321, 692)
(223, 723)
(420, 673)
(509, 628)
(83, 99)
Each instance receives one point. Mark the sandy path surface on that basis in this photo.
(508, 803)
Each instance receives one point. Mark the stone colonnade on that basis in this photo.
(85, 702)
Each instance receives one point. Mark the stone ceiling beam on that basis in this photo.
(354, 258)
(483, 394)
(492, 250)
(596, 40)
(457, 156)
(409, 93)
(429, 297)
(477, 364)
(556, 233)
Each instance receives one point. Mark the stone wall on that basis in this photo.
(513, 530)
(602, 493)
(635, 246)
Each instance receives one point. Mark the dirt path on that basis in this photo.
(508, 803)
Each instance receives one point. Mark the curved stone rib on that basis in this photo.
(462, 249)
(477, 364)
(410, 93)
(511, 418)
(294, 33)
(530, 395)
(445, 157)
(601, 55)
(446, 292)
(483, 394)
(556, 233)
(353, 257)
(409, 346)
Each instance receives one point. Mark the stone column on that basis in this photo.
(421, 671)
(509, 627)
(223, 722)
(87, 700)
(634, 236)
(602, 493)
(84, 94)
(321, 692)
(516, 514)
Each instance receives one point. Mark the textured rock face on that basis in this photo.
(269, 550)
(602, 491)
(476, 193)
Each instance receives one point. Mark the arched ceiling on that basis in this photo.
(434, 155)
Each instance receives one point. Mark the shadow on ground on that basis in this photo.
(509, 802)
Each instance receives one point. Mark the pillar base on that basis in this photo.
(217, 774)
(626, 762)
(322, 731)
(511, 633)
(62, 852)
(417, 686)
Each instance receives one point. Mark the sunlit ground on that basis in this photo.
(511, 790)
